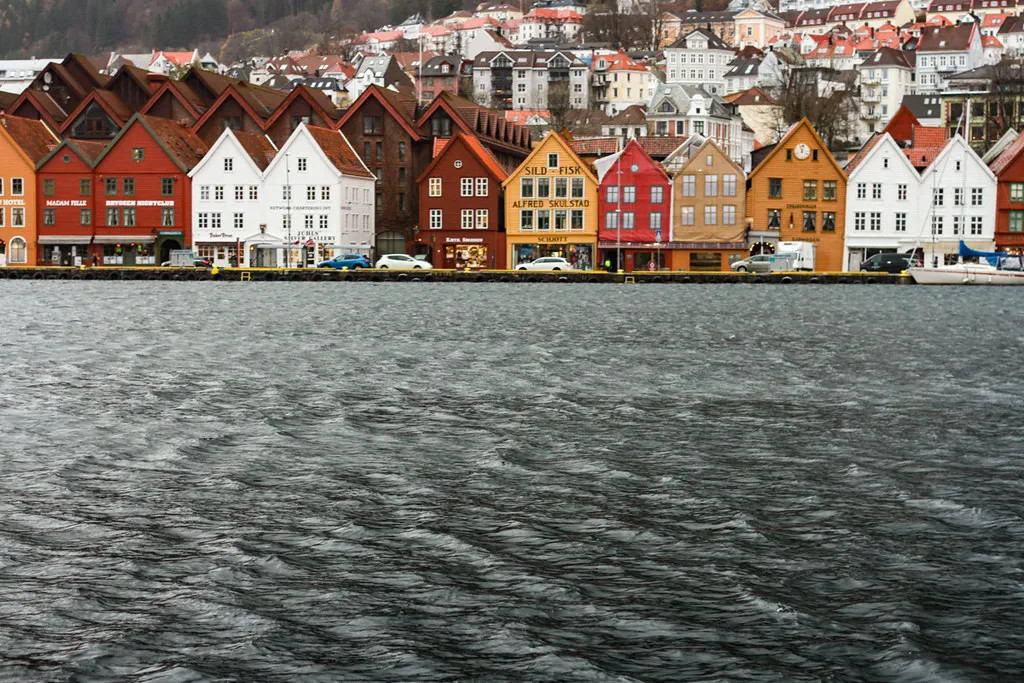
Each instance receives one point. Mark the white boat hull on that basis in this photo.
(966, 274)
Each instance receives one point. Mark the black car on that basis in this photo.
(889, 262)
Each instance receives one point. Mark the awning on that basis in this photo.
(122, 239)
(262, 238)
(951, 246)
(64, 239)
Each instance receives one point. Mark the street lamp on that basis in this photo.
(288, 212)
(618, 216)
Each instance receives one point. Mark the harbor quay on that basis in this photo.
(441, 275)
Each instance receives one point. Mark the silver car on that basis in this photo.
(546, 263)
(764, 263)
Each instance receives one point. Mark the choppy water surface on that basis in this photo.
(416, 482)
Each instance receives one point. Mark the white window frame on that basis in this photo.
(467, 219)
(466, 187)
(434, 186)
(436, 219)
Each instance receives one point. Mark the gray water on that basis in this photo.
(426, 482)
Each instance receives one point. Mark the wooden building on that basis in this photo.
(23, 144)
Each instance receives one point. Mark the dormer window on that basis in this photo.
(553, 160)
(445, 68)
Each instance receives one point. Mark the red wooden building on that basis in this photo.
(634, 204)
(461, 207)
(1009, 170)
(142, 195)
(65, 205)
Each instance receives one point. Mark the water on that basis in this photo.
(426, 482)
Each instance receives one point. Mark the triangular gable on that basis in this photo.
(230, 93)
(134, 74)
(476, 149)
(790, 133)
(374, 92)
(954, 142)
(93, 96)
(442, 102)
(695, 141)
(7, 119)
(74, 146)
(170, 87)
(143, 121)
(502, 54)
(884, 141)
(902, 124)
(32, 98)
(711, 143)
(226, 138)
(561, 142)
(303, 92)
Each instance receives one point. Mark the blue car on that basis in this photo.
(350, 261)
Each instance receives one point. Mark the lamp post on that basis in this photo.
(618, 216)
(288, 212)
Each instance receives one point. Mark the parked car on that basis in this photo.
(546, 263)
(889, 262)
(199, 262)
(350, 261)
(764, 263)
(402, 261)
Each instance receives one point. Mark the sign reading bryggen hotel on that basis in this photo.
(551, 207)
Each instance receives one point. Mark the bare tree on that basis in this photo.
(1006, 92)
(559, 104)
(829, 105)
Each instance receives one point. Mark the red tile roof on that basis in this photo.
(661, 146)
(439, 145)
(901, 125)
(862, 154)
(589, 147)
(259, 147)
(340, 153)
(88, 149)
(928, 142)
(31, 135)
(185, 146)
(1008, 155)
(754, 96)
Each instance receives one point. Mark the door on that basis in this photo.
(856, 257)
(128, 254)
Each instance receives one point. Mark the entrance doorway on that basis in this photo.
(166, 248)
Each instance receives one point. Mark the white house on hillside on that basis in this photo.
(699, 58)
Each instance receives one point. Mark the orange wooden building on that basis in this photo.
(798, 194)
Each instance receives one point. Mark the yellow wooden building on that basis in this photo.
(551, 207)
(798, 194)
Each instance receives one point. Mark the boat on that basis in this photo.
(991, 268)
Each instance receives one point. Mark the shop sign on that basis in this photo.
(551, 204)
(801, 206)
(561, 170)
(66, 202)
(141, 202)
(301, 207)
(221, 235)
(552, 239)
(466, 240)
(13, 202)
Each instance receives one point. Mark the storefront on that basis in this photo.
(674, 256)
(455, 250)
(65, 250)
(125, 250)
(570, 247)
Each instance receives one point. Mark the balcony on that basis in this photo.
(871, 97)
(870, 80)
(871, 115)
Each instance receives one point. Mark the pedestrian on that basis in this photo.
(608, 265)
(95, 261)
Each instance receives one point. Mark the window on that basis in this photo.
(310, 193)
(655, 220)
(828, 190)
(373, 125)
(710, 215)
(401, 175)
(138, 154)
(204, 221)
(1017, 221)
(49, 217)
(814, 155)
(810, 190)
(229, 165)
(958, 196)
(110, 187)
(859, 221)
(901, 192)
(544, 220)
(112, 217)
(543, 188)
(611, 220)
(976, 196)
(862, 190)
(218, 192)
(19, 248)
(936, 225)
(129, 218)
(975, 225)
(467, 187)
(18, 217)
(307, 222)
(612, 194)
(810, 221)
(481, 187)
(84, 187)
(657, 194)
(254, 192)
(1017, 192)
(876, 221)
(711, 186)
(401, 201)
(729, 185)
(167, 187)
(401, 151)
(687, 216)
(482, 219)
(561, 188)
(49, 187)
(689, 185)
(434, 187)
(561, 219)
(467, 219)
(629, 194)
(303, 164)
(286, 192)
(828, 221)
(775, 188)
(885, 162)
(526, 220)
(380, 150)
(84, 217)
(876, 190)
(322, 221)
(937, 197)
(958, 225)
(901, 222)
(576, 219)
(774, 219)
(436, 216)
(729, 214)
(366, 151)
(577, 188)
(17, 187)
(525, 188)
(628, 220)
(167, 217)
(553, 160)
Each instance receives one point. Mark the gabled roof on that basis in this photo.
(886, 56)
(633, 115)
(595, 147)
(6, 99)
(956, 38)
(338, 151)
(927, 143)
(48, 110)
(31, 136)
(181, 145)
(751, 96)
(108, 101)
(928, 106)
(86, 150)
(564, 144)
(320, 103)
(185, 95)
(1000, 145)
(397, 104)
(478, 150)
(139, 76)
(938, 163)
(714, 42)
(901, 125)
(605, 164)
(802, 123)
(1008, 156)
(260, 148)
(479, 121)
(877, 141)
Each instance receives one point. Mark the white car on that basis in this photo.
(402, 262)
(546, 263)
